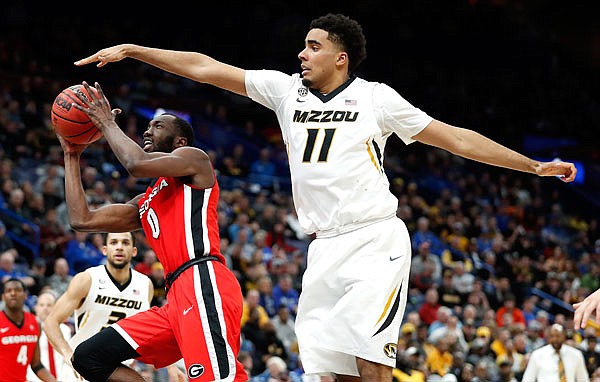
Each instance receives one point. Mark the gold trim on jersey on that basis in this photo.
(372, 156)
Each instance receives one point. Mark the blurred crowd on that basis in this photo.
(498, 256)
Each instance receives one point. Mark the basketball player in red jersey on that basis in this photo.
(19, 337)
(201, 321)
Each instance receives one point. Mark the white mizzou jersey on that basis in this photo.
(107, 302)
(335, 145)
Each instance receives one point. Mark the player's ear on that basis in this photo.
(342, 58)
(180, 142)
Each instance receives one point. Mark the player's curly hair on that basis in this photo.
(346, 32)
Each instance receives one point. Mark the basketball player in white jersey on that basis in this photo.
(49, 356)
(335, 127)
(98, 297)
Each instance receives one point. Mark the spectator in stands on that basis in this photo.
(276, 370)
(157, 276)
(448, 295)
(50, 357)
(284, 327)
(419, 262)
(506, 372)
(285, 294)
(242, 222)
(251, 302)
(520, 342)
(513, 357)
(591, 280)
(462, 280)
(51, 184)
(409, 366)
(469, 330)
(482, 371)
(17, 221)
(148, 260)
(590, 352)
(38, 273)
(81, 253)
(478, 299)
(423, 233)
(263, 170)
(442, 317)
(439, 359)
(534, 335)
(246, 359)
(53, 236)
(264, 285)
(529, 308)
(9, 271)
(453, 326)
(6, 242)
(60, 279)
(498, 345)
(509, 308)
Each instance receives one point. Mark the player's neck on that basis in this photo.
(16, 316)
(335, 82)
(120, 275)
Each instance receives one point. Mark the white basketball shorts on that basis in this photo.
(353, 298)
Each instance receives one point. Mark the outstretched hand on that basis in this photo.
(565, 171)
(589, 307)
(104, 56)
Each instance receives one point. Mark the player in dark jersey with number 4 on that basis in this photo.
(201, 321)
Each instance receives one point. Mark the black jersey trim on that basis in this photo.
(120, 287)
(328, 97)
(196, 221)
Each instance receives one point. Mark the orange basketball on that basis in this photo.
(70, 123)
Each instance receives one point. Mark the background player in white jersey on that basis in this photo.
(335, 127)
(49, 356)
(100, 296)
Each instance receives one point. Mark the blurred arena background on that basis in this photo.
(525, 73)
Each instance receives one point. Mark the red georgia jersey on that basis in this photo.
(17, 345)
(180, 221)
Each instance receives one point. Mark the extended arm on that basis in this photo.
(38, 368)
(64, 307)
(113, 217)
(195, 66)
(472, 145)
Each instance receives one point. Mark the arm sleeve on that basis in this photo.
(397, 115)
(268, 87)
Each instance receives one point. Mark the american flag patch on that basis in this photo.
(351, 102)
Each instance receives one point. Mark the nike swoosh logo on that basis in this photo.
(300, 100)
(395, 258)
(186, 311)
(4, 330)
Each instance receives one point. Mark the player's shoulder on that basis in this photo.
(83, 278)
(138, 274)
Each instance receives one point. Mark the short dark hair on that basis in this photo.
(16, 280)
(346, 32)
(185, 129)
(130, 233)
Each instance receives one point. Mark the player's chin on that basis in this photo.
(306, 82)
